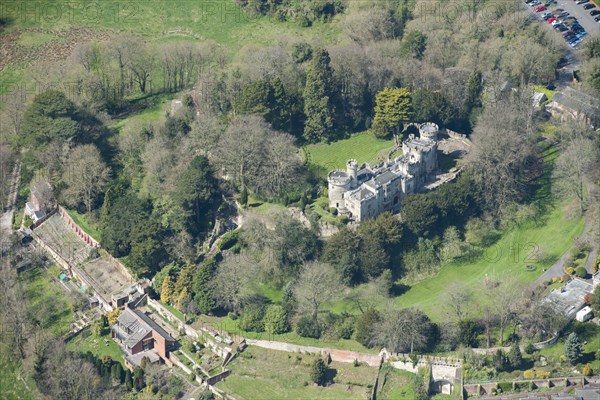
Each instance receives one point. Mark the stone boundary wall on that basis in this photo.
(344, 356)
(218, 377)
(477, 389)
(90, 241)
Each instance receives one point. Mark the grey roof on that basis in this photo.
(588, 394)
(579, 101)
(570, 297)
(153, 325)
(385, 178)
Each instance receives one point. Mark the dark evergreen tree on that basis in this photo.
(203, 288)
(318, 372)
(319, 99)
(573, 348)
(514, 356)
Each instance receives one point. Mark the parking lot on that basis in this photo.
(574, 21)
(583, 16)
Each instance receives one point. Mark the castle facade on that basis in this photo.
(362, 192)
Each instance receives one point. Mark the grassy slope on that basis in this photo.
(11, 387)
(82, 221)
(362, 147)
(97, 346)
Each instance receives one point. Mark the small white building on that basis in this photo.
(584, 314)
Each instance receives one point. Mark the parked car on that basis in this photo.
(588, 6)
(582, 1)
(594, 12)
(597, 19)
(563, 14)
(561, 28)
(540, 8)
(552, 20)
(571, 18)
(546, 16)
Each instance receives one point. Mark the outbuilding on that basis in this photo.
(584, 314)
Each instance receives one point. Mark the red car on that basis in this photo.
(540, 8)
(551, 20)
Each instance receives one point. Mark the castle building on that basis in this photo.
(365, 192)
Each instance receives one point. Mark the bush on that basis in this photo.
(529, 374)
(228, 240)
(333, 210)
(344, 328)
(566, 278)
(581, 272)
(318, 372)
(307, 327)
(529, 348)
(587, 370)
(251, 319)
(275, 320)
(541, 374)
(233, 316)
(570, 270)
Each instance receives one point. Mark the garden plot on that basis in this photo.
(60, 237)
(103, 276)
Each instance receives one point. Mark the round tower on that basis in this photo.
(429, 131)
(352, 169)
(339, 182)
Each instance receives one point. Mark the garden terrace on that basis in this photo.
(62, 239)
(105, 279)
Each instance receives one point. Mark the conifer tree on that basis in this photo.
(393, 107)
(573, 348)
(514, 356)
(319, 106)
(166, 292)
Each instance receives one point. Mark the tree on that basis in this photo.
(166, 291)
(86, 175)
(319, 99)
(202, 286)
(573, 167)
(51, 116)
(197, 193)
(113, 315)
(365, 328)
(467, 332)
(414, 44)
(404, 330)
(275, 320)
(317, 284)
(393, 107)
(573, 348)
(595, 300)
(231, 283)
(514, 356)
(318, 372)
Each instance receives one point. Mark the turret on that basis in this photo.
(352, 170)
(429, 131)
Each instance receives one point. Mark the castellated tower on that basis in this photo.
(339, 182)
(429, 131)
(352, 170)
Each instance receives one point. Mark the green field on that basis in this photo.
(266, 374)
(362, 147)
(47, 303)
(589, 335)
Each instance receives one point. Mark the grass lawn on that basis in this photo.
(589, 333)
(88, 341)
(89, 228)
(362, 147)
(395, 384)
(267, 374)
(507, 256)
(47, 303)
(542, 89)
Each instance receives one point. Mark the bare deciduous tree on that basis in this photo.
(317, 284)
(85, 174)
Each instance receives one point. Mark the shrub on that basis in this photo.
(566, 278)
(275, 320)
(307, 327)
(581, 272)
(529, 374)
(233, 316)
(228, 240)
(570, 270)
(252, 319)
(344, 328)
(541, 374)
(587, 370)
(333, 210)
(529, 348)
(318, 372)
